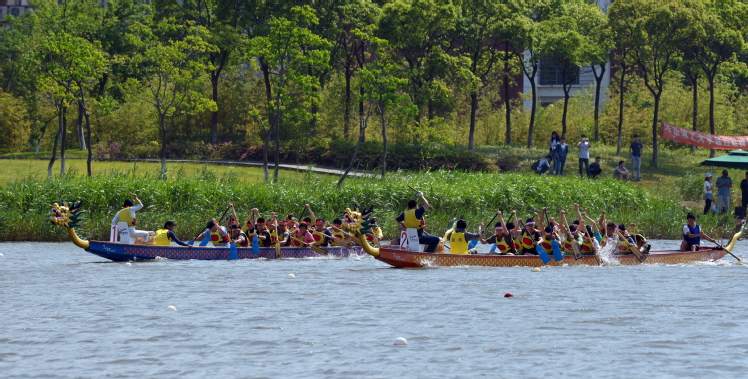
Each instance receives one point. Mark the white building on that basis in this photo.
(12, 7)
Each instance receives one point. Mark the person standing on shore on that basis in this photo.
(584, 155)
(552, 143)
(636, 158)
(708, 196)
(744, 191)
(723, 184)
(562, 150)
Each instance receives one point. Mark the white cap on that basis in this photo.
(709, 175)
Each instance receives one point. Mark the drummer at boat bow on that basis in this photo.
(413, 218)
(127, 214)
(692, 235)
(459, 238)
(166, 235)
(217, 234)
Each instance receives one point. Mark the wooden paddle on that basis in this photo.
(339, 241)
(574, 242)
(723, 248)
(278, 253)
(632, 247)
(314, 247)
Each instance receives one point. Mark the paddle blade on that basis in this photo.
(472, 244)
(543, 255)
(558, 256)
(204, 242)
(232, 252)
(190, 242)
(255, 245)
(493, 248)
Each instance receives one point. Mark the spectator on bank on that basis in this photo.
(636, 158)
(552, 143)
(723, 184)
(595, 168)
(708, 196)
(559, 154)
(621, 172)
(584, 155)
(543, 166)
(744, 191)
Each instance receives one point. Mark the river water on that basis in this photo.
(65, 313)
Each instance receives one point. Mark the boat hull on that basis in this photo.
(126, 252)
(403, 258)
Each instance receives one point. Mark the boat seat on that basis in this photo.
(409, 240)
(124, 233)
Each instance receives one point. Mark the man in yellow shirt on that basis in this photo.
(127, 214)
(459, 238)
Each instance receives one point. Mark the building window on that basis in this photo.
(551, 73)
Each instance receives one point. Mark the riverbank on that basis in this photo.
(191, 198)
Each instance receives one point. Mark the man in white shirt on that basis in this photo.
(127, 214)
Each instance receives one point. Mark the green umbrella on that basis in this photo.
(734, 159)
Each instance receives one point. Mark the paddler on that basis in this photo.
(283, 236)
(502, 237)
(302, 236)
(692, 235)
(589, 244)
(240, 239)
(320, 233)
(127, 214)
(529, 235)
(336, 230)
(413, 218)
(263, 236)
(569, 235)
(376, 232)
(459, 238)
(166, 235)
(217, 234)
(624, 246)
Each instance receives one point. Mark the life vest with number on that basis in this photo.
(125, 216)
(411, 221)
(457, 243)
(162, 237)
(217, 238)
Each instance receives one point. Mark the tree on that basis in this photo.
(593, 26)
(281, 51)
(659, 30)
(508, 33)
(173, 71)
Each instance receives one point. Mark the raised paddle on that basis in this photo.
(723, 248)
(632, 247)
(474, 242)
(278, 253)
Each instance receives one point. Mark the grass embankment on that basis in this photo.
(192, 199)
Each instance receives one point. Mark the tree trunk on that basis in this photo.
(711, 111)
(265, 148)
(313, 120)
(361, 109)
(621, 90)
(79, 126)
(533, 110)
(507, 105)
(88, 136)
(163, 145)
(384, 142)
(277, 143)
(473, 114)
(63, 140)
(598, 86)
(655, 124)
(695, 86)
(361, 133)
(347, 112)
(269, 97)
(214, 77)
(54, 145)
(567, 89)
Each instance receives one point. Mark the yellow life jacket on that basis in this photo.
(546, 244)
(640, 243)
(502, 245)
(623, 245)
(125, 216)
(338, 234)
(246, 240)
(411, 221)
(250, 237)
(457, 243)
(162, 238)
(567, 246)
(216, 238)
(587, 247)
(318, 239)
(526, 240)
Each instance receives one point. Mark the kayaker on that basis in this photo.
(302, 234)
(459, 238)
(692, 235)
(127, 214)
(217, 234)
(166, 235)
(413, 218)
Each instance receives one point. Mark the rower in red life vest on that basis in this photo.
(127, 214)
(217, 234)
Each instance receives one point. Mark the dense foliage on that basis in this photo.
(297, 74)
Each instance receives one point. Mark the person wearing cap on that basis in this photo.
(692, 235)
(708, 196)
(217, 234)
(584, 155)
(127, 214)
(166, 235)
(413, 218)
(636, 158)
(723, 184)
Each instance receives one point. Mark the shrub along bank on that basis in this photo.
(190, 201)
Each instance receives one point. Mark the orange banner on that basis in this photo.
(710, 141)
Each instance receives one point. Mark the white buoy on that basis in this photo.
(291, 276)
(400, 341)
(171, 308)
(128, 264)
(1, 254)
(536, 269)
(357, 258)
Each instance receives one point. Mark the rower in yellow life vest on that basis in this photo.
(459, 238)
(502, 238)
(320, 232)
(127, 214)
(166, 235)
(217, 234)
(413, 218)
(546, 242)
(337, 230)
